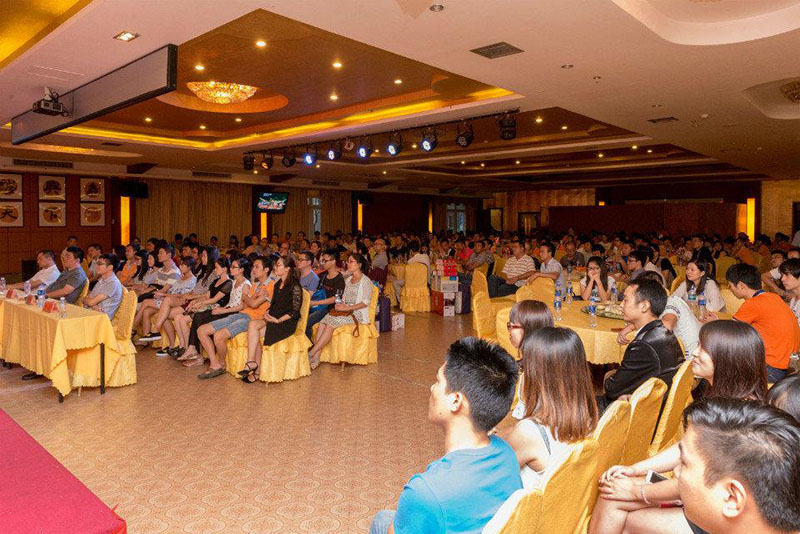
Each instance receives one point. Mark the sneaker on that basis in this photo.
(152, 336)
(176, 352)
(162, 352)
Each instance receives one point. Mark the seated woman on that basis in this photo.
(731, 361)
(785, 395)
(240, 269)
(526, 317)
(150, 307)
(698, 277)
(280, 319)
(355, 304)
(144, 282)
(201, 311)
(174, 305)
(129, 267)
(597, 278)
(558, 412)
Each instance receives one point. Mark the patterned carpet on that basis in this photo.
(321, 454)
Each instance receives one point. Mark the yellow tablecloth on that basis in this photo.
(600, 343)
(67, 351)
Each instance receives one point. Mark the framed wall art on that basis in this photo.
(11, 186)
(52, 188)
(93, 214)
(93, 190)
(52, 214)
(10, 214)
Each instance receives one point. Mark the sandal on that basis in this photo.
(254, 374)
(314, 363)
(176, 352)
(193, 361)
(211, 373)
(187, 355)
(248, 368)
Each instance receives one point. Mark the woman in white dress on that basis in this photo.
(698, 276)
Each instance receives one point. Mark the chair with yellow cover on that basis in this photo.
(480, 283)
(559, 505)
(763, 263)
(344, 347)
(677, 283)
(415, 296)
(288, 359)
(499, 263)
(124, 373)
(732, 303)
(84, 292)
(645, 406)
(482, 317)
(680, 392)
(543, 289)
(502, 334)
(482, 268)
(559, 254)
(723, 264)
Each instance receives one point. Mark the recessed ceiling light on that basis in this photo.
(238, 119)
(567, 66)
(539, 120)
(635, 147)
(463, 162)
(148, 119)
(649, 150)
(126, 36)
(704, 116)
(564, 127)
(337, 64)
(199, 67)
(376, 151)
(398, 81)
(414, 145)
(261, 44)
(483, 165)
(517, 162)
(255, 171)
(202, 126)
(597, 78)
(317, 165)
(656, 105)
(436, 8)
(384, 172)
(334, 97)
(600, 155)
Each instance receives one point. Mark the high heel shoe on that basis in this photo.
(248, 368)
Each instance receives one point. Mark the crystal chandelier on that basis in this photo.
(791, 91)
(222, 92)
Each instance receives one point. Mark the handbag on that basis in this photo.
(337, 313)
(319, 294)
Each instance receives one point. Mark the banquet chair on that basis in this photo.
(482, 317)
(377, 274)
(288, 358)
(610, 433)
(732, 304)
(345, 347)
(559, 254)
(763, 263)
(479, 283)
(679, 395)
(558, 506)
(543, 289)
(723, 264)
(483, 269)
(645, 406)
(499, 263)
(84, 292)
(502, 334)
(677, 282)
(415, 295)
(125, 371)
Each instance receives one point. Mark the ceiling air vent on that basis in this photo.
(407, 188)
(328, 183)
(110, 143)
(43, 163)
(662, 120)
(203, 174)
(496, 50)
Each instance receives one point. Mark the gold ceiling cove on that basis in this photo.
(222, 92)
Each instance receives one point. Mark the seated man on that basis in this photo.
(70, 282)
(106, 295)
(740, 468)
(518, 268)
(768, 314)
(550, 267)
(462, 491)
(47, 274)
(654, 351)
(309, 280)
(480, 256)
(571, 257)
(89, 263)
(771, 279)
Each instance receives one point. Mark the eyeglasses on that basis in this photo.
(510, 325)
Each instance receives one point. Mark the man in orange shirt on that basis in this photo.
(768, 314)
(742, 252)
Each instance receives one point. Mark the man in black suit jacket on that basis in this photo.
(654, 351)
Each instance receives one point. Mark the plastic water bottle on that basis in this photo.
(557, 306)
(701, 306)
(338, 297)
(26, 288)
(40, 291)
(569, 295)
(62, 307)
(594, 298)
(614, 294)
(692, 298)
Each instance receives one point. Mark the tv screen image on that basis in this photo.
(272, 202)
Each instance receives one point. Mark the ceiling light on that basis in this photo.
(334, 152)
(436, 8)
(310, 156)
(148, 119)
(202, 126)
(395, 145)
(288, 159)
(463, 162)
(384, 172)
(517, 162)
(567, 66)
(398, 81)
(126, 36)
(334, 97)
(337, 64)
(539, 120)
(414, 145)
(248, 161)
(465, 138)
(255, 171)
(199, 67)
(635, 147)
(364, 150)
(564, 127)
(261, 44)
(317, 165)
(649, 150)
(221, 92)
(656, 105)
(429, 142)
(483, 165)
(375, 151)
(600, 155)
(508, 127)
(267, 162)
(238, 119)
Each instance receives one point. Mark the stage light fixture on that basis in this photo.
(248, 162)
(334, 152)
(395, 145)
(267, 162)
(288, 159)
(310, 157)
(465, 138)
(508, 127)
(365, 149)
(429, 141)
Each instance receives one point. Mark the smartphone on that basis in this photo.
(653, 477)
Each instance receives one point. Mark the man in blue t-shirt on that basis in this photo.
(461, 491)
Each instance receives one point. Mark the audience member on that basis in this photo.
(698, 278)
(597, 278)
(284, 313)
(516, 271)
(785, 395)
(47, 274)
(462, 491)
(106, 295)
(571, 257)
(151, 306)
(71, 280)
(790, 278)
(332, 282)
(307, 277)
(549, 267)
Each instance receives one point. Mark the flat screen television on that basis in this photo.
(272, 202)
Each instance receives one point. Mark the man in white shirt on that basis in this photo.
(169, 273)
(771, 278)
(517, 270)
(48, 271)
(550, 268)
